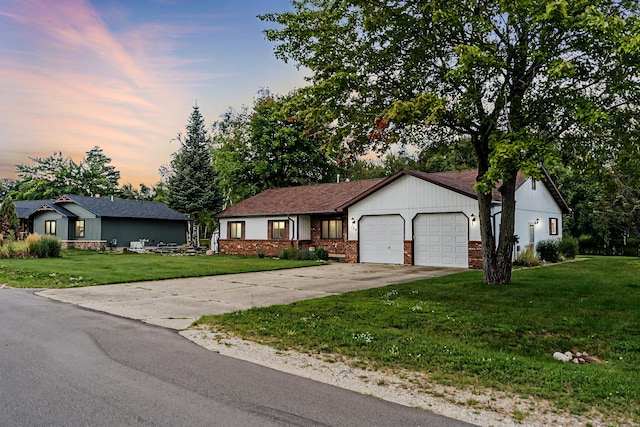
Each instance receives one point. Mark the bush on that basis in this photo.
(261, 253)
(527, 258)
(548, 250)
(15, 250)
(288, 253)
(44, 247)
(568, 247)
(321, 253)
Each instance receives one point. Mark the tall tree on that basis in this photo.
(9, 221)
(193, 185)
(53, 176)
(522, 79)
(97, 176)
(269, 146)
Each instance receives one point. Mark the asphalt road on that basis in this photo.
(68, 366)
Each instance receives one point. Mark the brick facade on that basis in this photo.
(251, 247)
(408, 252)
(475, 254)
(351, 251)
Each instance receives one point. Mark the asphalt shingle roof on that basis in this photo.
(329, 198)
(102, 207)
(123, 208)
(309, 199)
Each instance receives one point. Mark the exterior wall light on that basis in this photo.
(472, 217)
(537, 221)
(353, 221)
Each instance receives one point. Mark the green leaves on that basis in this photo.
(56, 175)
(271, 146)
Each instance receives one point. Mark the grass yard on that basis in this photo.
(87, 268)
(468, 334)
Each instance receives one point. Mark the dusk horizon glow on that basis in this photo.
(125, 76)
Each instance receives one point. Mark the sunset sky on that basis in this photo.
(125, 74)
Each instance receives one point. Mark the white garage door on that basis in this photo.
(382, 239)
(441, 240)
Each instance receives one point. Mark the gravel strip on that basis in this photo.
(481, 407)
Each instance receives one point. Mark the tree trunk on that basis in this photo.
(497, 261)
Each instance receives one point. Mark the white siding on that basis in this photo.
(533, 206)
(255, 228)
(409, 196)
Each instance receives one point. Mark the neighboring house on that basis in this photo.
(98, 222)
(409, 218)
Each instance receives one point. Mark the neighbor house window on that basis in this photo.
(331, 229)
(278, 230)
(553, 226)
(50, 227)
(236, 230)
(80, 228)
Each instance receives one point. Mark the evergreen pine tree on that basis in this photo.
(9, 221)
(193, 186)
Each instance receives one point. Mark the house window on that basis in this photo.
(331, 229)
(80, 228)
(553, 226)
(236, 230)
(532, 234)
(278, 230)
(50, 227)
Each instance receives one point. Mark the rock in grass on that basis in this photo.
(562, 357)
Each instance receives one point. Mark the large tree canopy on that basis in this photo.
(56, 175)
(269, 146)
(522, 79)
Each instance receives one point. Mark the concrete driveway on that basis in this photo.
(177, 303)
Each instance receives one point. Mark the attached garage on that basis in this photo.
(381, 239)
(441, 240)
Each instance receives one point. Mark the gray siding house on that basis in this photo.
(100, 222)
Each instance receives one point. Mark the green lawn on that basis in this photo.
(468, 334)
(88, 268)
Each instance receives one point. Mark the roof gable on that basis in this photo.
(311, 199)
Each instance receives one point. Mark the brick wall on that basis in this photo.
(351, 251)
(475, 254)
(408, 252)
(333, 246)
(93, 245)
(251, 247)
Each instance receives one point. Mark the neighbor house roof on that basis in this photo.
(100, 206)
(123, 208)
(26, 208)
(310, 199)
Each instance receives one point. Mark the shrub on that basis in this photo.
(588, 245)
(288, 253)
(322, 254)
(568, 247)
(548, 250)
(45, 247)
(527, 258)
(15, 250)
(261, 253)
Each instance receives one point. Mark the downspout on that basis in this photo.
(292, 228)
